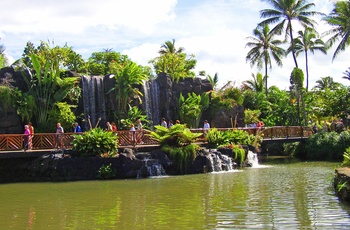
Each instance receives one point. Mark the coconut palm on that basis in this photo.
(339, 19)
(284, 12)
(169, 47)
(308, 40)
(347, 74)
(263, 47)
(326, 83)
(257, 84)
(213, 80)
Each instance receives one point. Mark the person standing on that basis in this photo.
(139, 131)
(109, 127)
(59, 136)
(26, 137)
(133, 134)
(114, 127)
(163, 123)
(170, 123)
(30, 138)
(77, 128)
(206, 127)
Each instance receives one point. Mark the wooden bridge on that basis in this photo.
(47, 141)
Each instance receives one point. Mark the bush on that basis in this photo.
(96, 142)
(327, 146)
(106, 172)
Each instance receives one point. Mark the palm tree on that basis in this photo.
(257, 84)
(307, 40)
(347, 74)
(326, 83)
(213, 80)
(283, 12)
(339, 19)
(263, 47)
(169, 47)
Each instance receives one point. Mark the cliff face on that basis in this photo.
(160, 98)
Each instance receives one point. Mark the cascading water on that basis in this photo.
(151, 101)
(218, 162)
(93, 100)
(151, 168)
(252, 159)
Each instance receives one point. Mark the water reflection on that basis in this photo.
(288, 196)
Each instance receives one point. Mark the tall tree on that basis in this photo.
(263, 46)
(307, 40)
(339, 18)
(3, 59)
(284, 12)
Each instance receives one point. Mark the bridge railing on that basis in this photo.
(125, 138)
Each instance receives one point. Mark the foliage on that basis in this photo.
(127, 77)
(328, 146)
(192, 108)
(62, 113)
(218, 138)
(339, 20)
(182, 156)
(134, 113)
(346, 159)
(257, 84)
(239, 153)
(42, 76)
(176, 136)
(174, 62)
(95, 142)
(6, 97)
(264, 46)
(102, 63)
(106, 172)
(251, 116)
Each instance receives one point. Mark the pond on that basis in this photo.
(276, 196)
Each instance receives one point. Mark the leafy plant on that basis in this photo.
(182, 156)
(192, 108)
(106, 172)
(239, 153)
(177, 135)
(346, 160)
(95, 142)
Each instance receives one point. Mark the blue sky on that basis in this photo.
(215, 31)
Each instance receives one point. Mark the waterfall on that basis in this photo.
(218, 162)
(93, 100)
(151, 101)
(252, 159)
(151, 168)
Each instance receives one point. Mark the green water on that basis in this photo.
(280, 196)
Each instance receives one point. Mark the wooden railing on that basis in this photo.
(48, 140)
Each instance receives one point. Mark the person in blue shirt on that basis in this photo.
(77, 128)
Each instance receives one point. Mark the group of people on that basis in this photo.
(336, 125)
(111, 127)
(136, 133)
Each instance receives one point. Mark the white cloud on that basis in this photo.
(214, 30)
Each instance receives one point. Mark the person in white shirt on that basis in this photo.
(206, 127)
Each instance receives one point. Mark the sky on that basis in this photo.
(215, 31)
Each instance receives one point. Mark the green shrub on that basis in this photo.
(239, 154)
(106, 172)
(182, 156)
(327, 146)
(346, 160)
(95, 142)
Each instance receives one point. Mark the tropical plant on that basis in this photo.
(346, 155)
(169, 47)
(296, 81)
(177, 135)
(3, 58)
(347, 74)
(339, 20)
(177, 142)
(104, 63)
(213, 80)
(44, 82)
(326, 83)
(192, 108)
(95, 142)
(127, 77)
(283, 12)
(106, 172)
(134, 113)
(251, 116)
(263, 47)
(61, 112)
(257, 84)
(238, 153)
(174, 62)
(307, 40)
